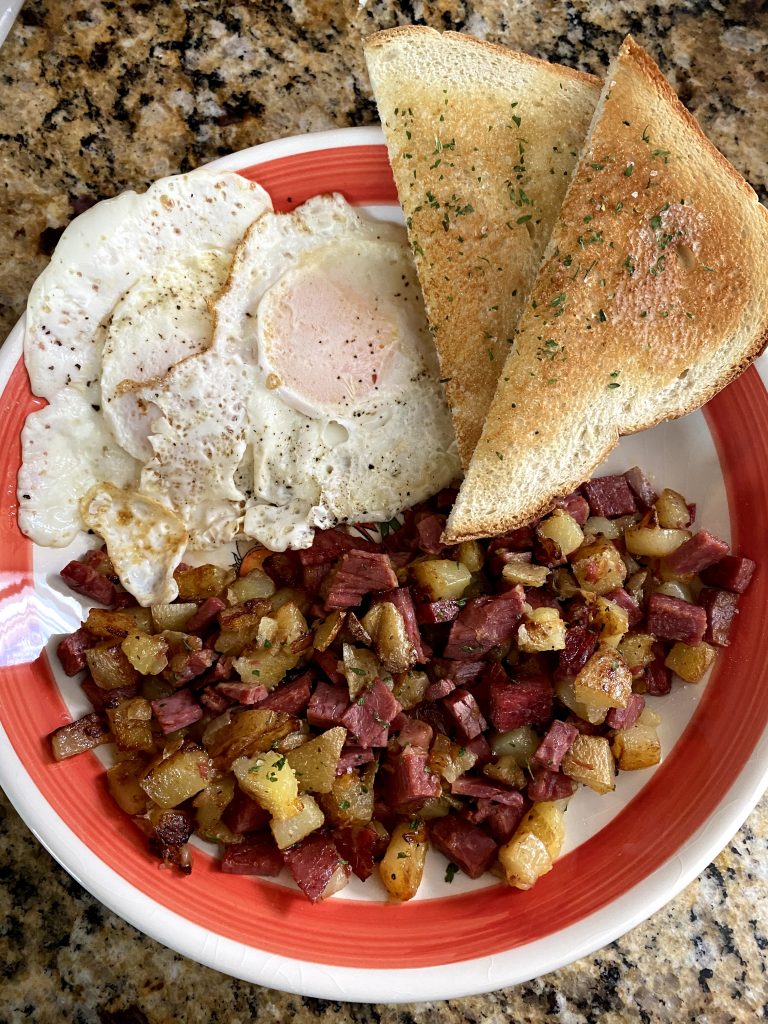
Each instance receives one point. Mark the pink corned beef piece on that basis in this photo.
(439, 689)
(461, 673)
(625, 718)
(215, 702)
(624, 600)
(466, 715)
(327, 705)
(480, 748)
(464, 844)
(609, 496)
(291, 697)
(658, 678)
(329, 663)
(730, 573)
(520, 539)
(413, 733)
(429, 529)
(504, 819)
(85, 580)
(547, 785)
(410, 779)
(256, 856)
(468, 785)
(352, 757)
(192, 665)
(431, 613)
(721, 609)
(576, 507)
(696, 554)
(484, 623)
(359, 573)
(243, 814)
(177, 711)
(205, 614)
(555, 745)
(313, 575)
(328, 545)
(102, 699)
(312, 862)
(580, 644)
(71, 651)
(243, 693)
(359, 846)
(369, 716)
(669, 618)
(641, 487)
(402, 600)
(525, 702)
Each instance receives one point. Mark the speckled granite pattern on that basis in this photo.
(101, 95)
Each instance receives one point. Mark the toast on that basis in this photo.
(482, 142)
(652, 296)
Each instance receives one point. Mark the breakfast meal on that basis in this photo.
(310, 641)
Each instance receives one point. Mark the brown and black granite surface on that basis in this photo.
(101, 95)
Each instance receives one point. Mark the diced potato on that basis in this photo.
(546, 821)
(441, 579)
(470, 554)
(371, 619)
(564, 688)
(637, 748)
(673, 588)
(690, 661)
(266, 634)
(271, 781)
(328, 630)
(598, 566)
(635, 585)
(590, 761)
(266, 665)
(637, 649)
(240, 625)
(195, 584)
(524, 860)
(172, 616)
(506, 769)
(110, 667)
(605, 681)
(391, 641)
(289, 595)
(672, 510)
(124, 782)
(245, 733)
(525, 573)
(563, 529)
(130, 724)
(449, 759)
(292, 629)
(210, 803)
(409, 688)
(438, 807)
(350, 801)
(541, 630)
(254, 585)
(649, 717)
(563, 583)
(314, 763)
(595, 525)
(177, 778)
(653, 541)
(361, 667)
(609, 620)
(298, 826)
(293, 739)
(521, 743)
(109, 625)
(148, 654)
(402, 868)
(355, 630)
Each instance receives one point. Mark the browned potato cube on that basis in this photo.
(328, 630)
(209, 806)
(541, 630)
(110, 667)
(566, 694)
(177, 778)
(271, 781)
(637, 748)
(124, 782)
(672, 510)
(690, 661)
(524, 860)
(130, 724)
(172, 616)
(195, 584)
(590, 761)
(402, 868)
(391, 641)
(148, 654)
(470, 554)
(605, 681)
(361, 667)
(449, 759)
(651, 541)
(240, 625)
(409, 688)
(314, 763)
(253, 586)
(546, 821)
(525, 573)
(506, 769)
(441, 579)
(298, 826)
(244, 734)
(563, 529)
(350, 801)
(637, 649)
(609, 620)
(108, 625)
(598, 566)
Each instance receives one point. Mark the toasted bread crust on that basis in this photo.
(652, 296)
(482, 141)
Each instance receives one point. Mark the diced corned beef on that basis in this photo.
(401, 598)
(434, 612)
(439, 689)
(696, 554)
(609, 496)
(192, 665)
(243, 814)
(547, 785)
(429, 530)
(625, 718)
(327, 705)
(624, 600)
(504, 819)
(170, 831)
(359, 846)
(243, 693)
(434, 715)
(256, 856)
(329, 663)
(580, 644)
(177, 711)
(413, 733)
(641, 487)
(85, 580)
(328, 545)
(352, 757)
(205, 615)
(548, 552)
(575, 505)
(410, 779)
(584, 727)
(525, 702)
(484, 622)
(359, 573)
(102, 699)
(291, 697)
(537, 597)
(461, 673)
(721, 609)
(469, 785)
(71, 651)
(312, 862)
(215, 702)
(220, 673)
(555, 745)
(670, 618)
(368, 717)
(98, 558)
(123, 600)
(463, 843)
(480, 748)
(730, 573)
(466, 715)
(501, 557)
(520, 539)
(313, 576)
(658, 678)
(284, 568)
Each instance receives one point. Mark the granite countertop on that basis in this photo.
(101, 95)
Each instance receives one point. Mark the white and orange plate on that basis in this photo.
(627, 853)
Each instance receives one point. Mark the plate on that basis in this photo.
(627, 853)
